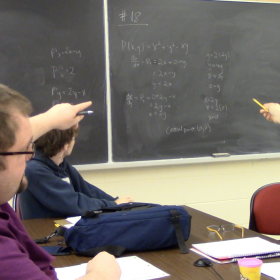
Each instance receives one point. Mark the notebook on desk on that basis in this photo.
(230, 250)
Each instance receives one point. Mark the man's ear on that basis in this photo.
(65, 147)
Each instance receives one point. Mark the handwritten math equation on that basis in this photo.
(140, 48)
(166, 64)
(65, 73)
(215, 107)
(161, 80)
(157, 103)
(59, 93)
(55, 52)
(215, 62)
(60, 72)
(135, 62)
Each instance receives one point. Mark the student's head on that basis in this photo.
(56, 141)
(15, 136)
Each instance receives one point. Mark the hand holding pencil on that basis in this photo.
(271, 112)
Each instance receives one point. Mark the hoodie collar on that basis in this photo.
(47, 161)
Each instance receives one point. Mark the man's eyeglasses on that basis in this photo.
(224, 228)
(29, 153)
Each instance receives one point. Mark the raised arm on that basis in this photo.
(60, 116)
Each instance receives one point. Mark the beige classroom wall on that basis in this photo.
(220, 189)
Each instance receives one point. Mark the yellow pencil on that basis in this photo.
(260, 104)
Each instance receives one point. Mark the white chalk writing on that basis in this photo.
(66, 51)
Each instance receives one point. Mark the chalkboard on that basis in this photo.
(53, 52)
(183, 75)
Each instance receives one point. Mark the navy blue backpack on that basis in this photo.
(130, 227)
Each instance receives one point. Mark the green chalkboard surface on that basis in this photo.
(53, 52)
(183, 75)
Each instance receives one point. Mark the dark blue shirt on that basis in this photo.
(58, 191)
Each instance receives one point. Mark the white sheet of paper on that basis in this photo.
(74, 220)
(271, 269)
(71, 272)
(133, 268)
(68, 226)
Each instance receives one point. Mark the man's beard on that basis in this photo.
(23, 184)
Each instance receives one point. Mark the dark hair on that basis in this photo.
(53, 141)
(11, 102)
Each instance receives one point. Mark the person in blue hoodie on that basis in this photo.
(55, 188)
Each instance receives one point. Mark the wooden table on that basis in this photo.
(179, 266)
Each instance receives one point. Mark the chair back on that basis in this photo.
(16, 205)
(265, 209)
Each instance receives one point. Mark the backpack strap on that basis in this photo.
(58, 232)
(178, 230)
(122, 207)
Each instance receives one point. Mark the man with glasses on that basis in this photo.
(55, 187)
(20, 257)
(29, 153)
